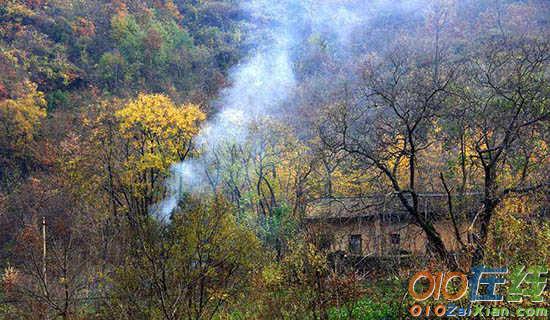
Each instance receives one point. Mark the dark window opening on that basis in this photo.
(355, 244)
(395, 239)
(325, 242)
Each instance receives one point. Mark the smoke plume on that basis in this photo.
(265, 80)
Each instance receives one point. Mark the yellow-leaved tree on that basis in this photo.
(159, 131)
(20, 117)
(21, 114)
(138, 143)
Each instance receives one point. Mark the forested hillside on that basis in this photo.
(162, 159)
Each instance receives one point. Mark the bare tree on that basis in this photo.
(386, 124)
(503, 102)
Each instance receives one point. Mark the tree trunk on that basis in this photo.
(490, 202)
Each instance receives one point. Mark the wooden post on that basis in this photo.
(44, 262)
(44, 251)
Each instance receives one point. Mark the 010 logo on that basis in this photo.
(438, 285)
(483, 286)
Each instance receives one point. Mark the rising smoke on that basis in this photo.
(266, 79)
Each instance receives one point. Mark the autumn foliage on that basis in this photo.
(99, 100)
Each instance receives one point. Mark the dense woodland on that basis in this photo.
(99, 99)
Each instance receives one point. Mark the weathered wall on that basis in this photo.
(376, 236)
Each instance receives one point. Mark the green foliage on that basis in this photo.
(203, 258)
(57, 99)
(278, 228)
(121, 46)
(383, 300)
(366, 309)
(144, 49)
(293, 287)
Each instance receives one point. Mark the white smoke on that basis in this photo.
(264, 81)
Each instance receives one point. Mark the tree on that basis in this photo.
(153, 133)
(503, 99)
(77, 248)
(387, 128)
(20, 119)
(191, 269)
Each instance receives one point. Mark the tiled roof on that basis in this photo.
(372, 206)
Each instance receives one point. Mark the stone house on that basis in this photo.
(379, 226)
